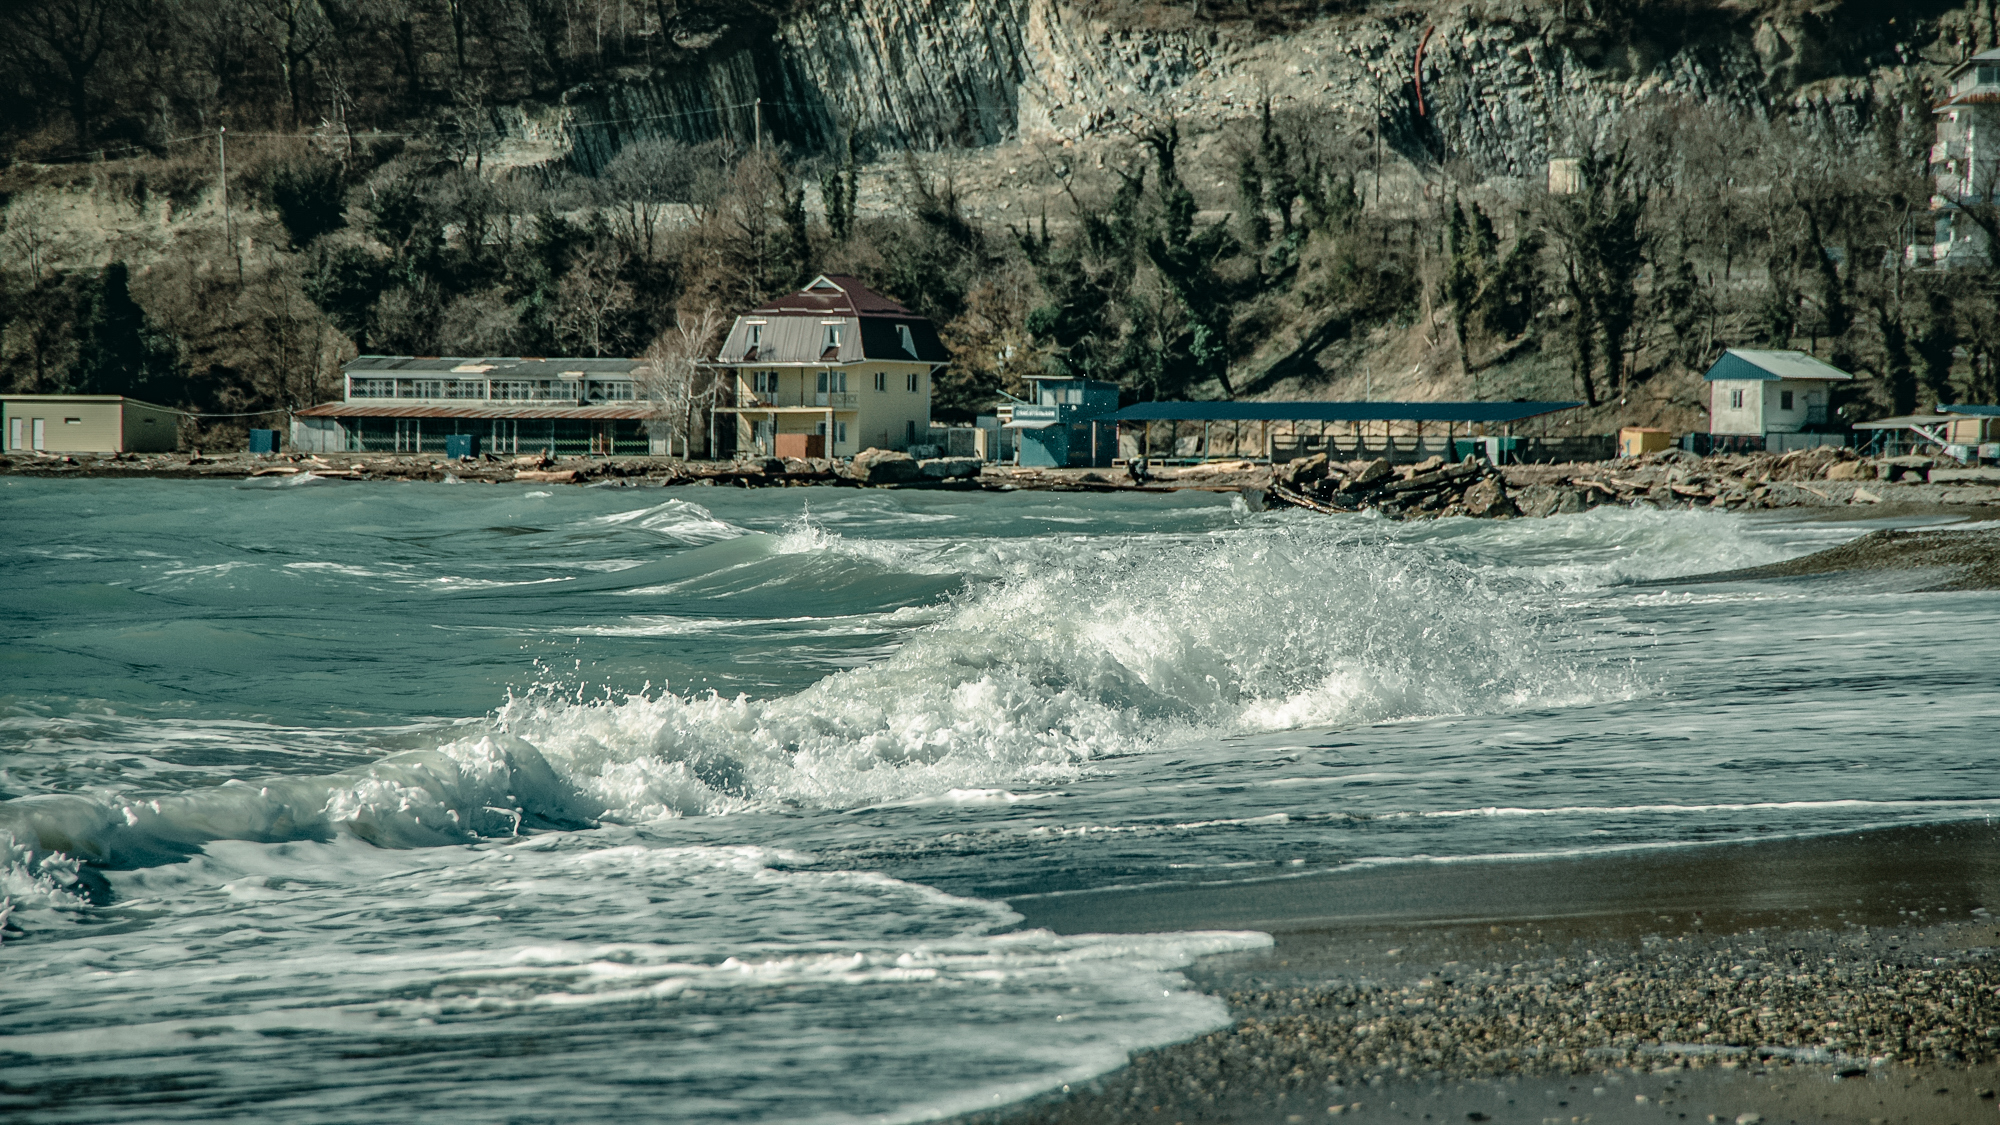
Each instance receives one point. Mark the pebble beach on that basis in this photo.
(1838, 980)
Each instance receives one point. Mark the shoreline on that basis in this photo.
(1841, 978)
(1826, 481)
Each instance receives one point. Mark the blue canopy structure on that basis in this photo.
(1222, 411)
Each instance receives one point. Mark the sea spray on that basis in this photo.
(1091, 651)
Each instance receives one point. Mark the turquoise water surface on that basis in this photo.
(323, 801)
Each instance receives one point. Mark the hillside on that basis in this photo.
(1253, 199)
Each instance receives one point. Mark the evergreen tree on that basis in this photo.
(119, 351)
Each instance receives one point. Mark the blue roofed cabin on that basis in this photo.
(1770, 392)
(827, 372)
(1064, 427)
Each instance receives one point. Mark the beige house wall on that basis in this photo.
(1726, 418)
(70, 423)
(880, 418)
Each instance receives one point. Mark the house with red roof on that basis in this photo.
(827, 372)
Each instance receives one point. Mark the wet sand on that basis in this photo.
(1963, 560)
(1842, 979)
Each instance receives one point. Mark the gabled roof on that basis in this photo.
(794, 328)
(1750, 363)
(833, 295)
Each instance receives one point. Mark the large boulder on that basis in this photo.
(1487, 498)
(882, 466)
(1372, 473)
(1538, 500)
(948, 468)
(1302, 473)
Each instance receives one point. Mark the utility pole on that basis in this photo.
(757, 122)
(222, 174)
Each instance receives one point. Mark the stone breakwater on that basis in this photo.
(876, 467)
(1824, 478)
(1853, 1000)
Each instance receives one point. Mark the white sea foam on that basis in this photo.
(314, 956)
(1087, 654)
(676, 521)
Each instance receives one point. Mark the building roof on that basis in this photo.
(833, 295)
(1751, 363)
(492, 367)
(791, 329)
(91, 398)
(1990, 57)
(1940, 417)
(1338, 411)
(621, 412)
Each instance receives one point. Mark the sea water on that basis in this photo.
(324, 802)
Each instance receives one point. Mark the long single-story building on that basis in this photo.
(511, 404)
(86, 424)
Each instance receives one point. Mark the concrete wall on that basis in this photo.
(1724, 417)
(150, 429)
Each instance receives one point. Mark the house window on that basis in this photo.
(832, 336)
(910, 380)
(764, 382)
(909, 341)
(881, 380)
(1735, 400)
(72, 421)
(835, 381)
(1784, 400)
(839, 431)
(756, 335)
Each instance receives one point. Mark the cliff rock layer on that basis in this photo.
(1502, 87)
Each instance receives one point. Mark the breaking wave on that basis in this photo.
(1077, 654)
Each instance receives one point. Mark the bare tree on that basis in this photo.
(676, 381)
(61, 43)
(593, 300)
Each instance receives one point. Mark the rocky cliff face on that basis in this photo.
(1503, 88)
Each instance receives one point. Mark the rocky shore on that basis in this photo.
(1825, 477)
(1744, 1003)
(1820, 478)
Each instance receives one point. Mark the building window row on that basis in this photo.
(502, 390)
